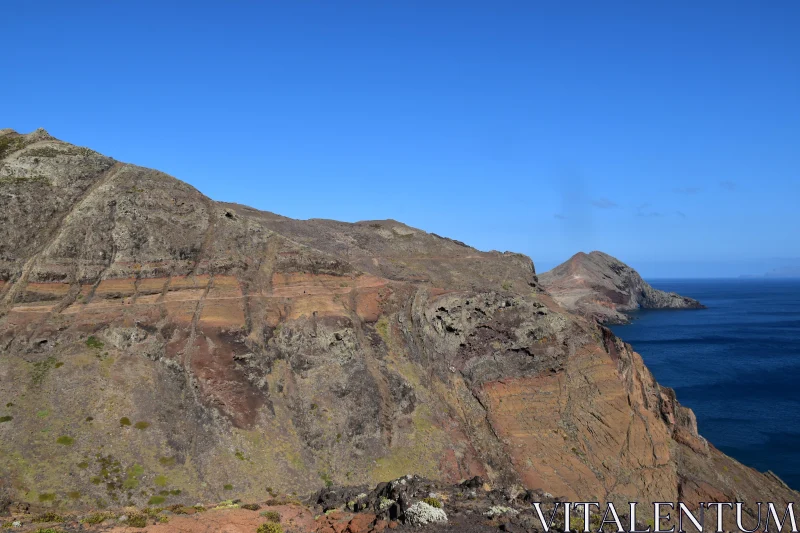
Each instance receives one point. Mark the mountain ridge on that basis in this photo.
(155, 340)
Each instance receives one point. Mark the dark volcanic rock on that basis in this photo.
(604, 288)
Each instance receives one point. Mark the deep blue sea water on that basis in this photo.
(736, 364)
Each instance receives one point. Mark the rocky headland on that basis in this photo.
(159, 349)
(604, 288)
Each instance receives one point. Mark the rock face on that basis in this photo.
(603, 288)
(156, 346)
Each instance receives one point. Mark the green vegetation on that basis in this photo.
(49, 530)
(83, 464)
(137, 520)
(142, 425)
(251, 506)
(132, 475)
(40, 370)
(269, 527)
(49, 517)
(124, 421)
(239, 455)
(10, 143)
(272, 516)
(44, 413)
(160, 481)
(227, 486)
(382, 327)
(96, 518)
(65, 440)
(156, 500)
(433, 502)
(326, 477)
(74, 495)
(47, 497)
(507, 285)
(7, 418)
(47, 151)
(17, 180)
(167, 461)
(227, 504)
(94, 342)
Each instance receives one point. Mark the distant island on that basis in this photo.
(786, 272)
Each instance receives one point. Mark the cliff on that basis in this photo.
(157, 346)
(603, 288)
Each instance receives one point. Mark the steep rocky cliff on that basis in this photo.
(603, 288)
(156, 345)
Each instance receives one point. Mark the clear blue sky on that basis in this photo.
(666, 134)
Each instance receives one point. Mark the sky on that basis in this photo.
(666, 134)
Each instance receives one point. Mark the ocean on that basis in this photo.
(736, 364)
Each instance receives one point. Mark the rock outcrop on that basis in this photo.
(159, 347)
(603, 288)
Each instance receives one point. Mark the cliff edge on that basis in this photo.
(160, 348)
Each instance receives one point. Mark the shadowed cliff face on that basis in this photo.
(156, 345)
(603, 288)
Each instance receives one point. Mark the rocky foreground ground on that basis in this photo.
(404, 504)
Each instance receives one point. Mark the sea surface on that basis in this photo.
(736, 364)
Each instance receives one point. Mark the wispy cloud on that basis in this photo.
(604, 203)
(645, 211)
(559, 216)
(728, 185)
(687, 190)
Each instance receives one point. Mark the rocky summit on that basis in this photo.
(158, 348)
(604, 288)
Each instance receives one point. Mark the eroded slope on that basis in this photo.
(158, 346)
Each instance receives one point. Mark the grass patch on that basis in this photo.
(137, 520)
(124, 421)
(7, 418)
(160, 481)
(167, 461)
(10, 143)
(251, 506)
(433, 502)
(96, 518)
(156, 500)
(65, 440)
(382, 327)
(142, 425)
(269, 527)
(326, 477)
(47, 497)
(41, 369)
(49, 517)
(227, 486)
(272, 516)
(94, 342)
